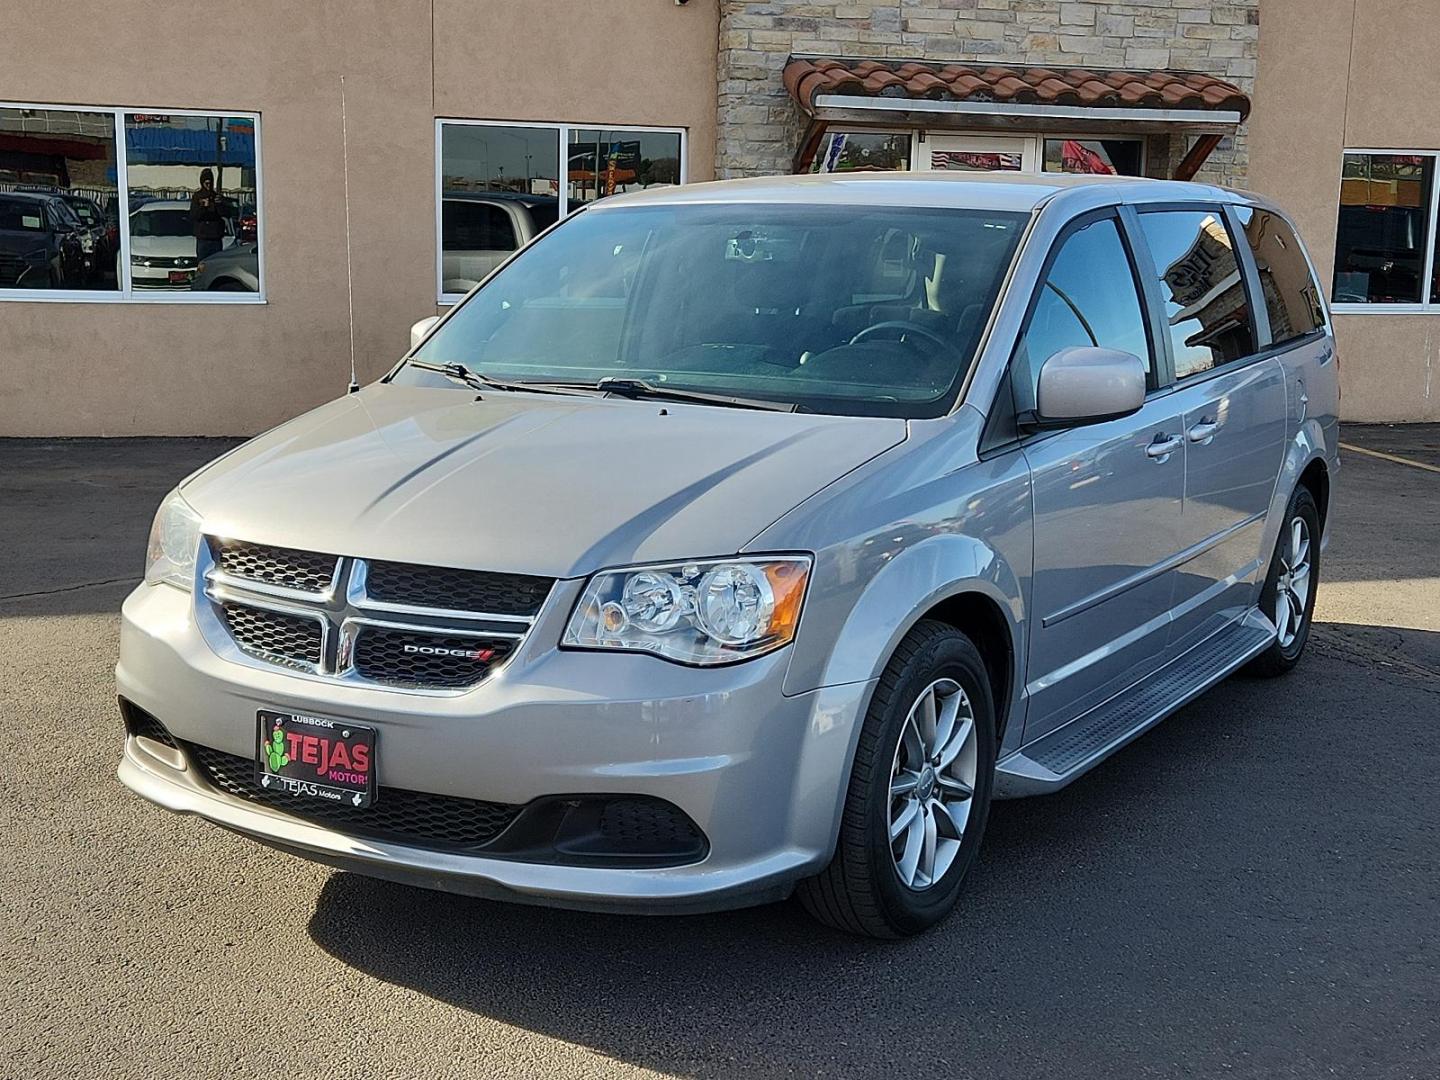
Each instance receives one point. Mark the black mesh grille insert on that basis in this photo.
(648, 825)
(401, 816)
(460, 590)
(412, 658)
(141, 723)
(308, 571)
(274, 636)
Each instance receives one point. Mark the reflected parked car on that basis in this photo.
(96, 240)
(236, 269)
(162, 245)
(40, 245)
(478, 232)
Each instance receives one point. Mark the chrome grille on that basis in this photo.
(289, 568)
(462, 590)
(289, 640)
(428, 629)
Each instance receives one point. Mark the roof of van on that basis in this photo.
(968, 190)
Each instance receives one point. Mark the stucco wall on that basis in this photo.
(760, 126)
(76, 368)
(1333, 75)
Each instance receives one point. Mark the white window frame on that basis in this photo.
(125, 293)
(1424, 307)
(444, 299)
(1032, 148)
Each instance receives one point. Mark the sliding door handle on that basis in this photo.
(1204, 431)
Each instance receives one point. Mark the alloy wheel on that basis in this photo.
(932, 784)
(1292, 587)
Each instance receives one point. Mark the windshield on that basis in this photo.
(838, 309)
(21, 215)
(161, 223)
(84, 210)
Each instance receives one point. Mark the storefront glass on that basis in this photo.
(59, 217)
(1384, 229)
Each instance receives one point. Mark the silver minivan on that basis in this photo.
(746, 539)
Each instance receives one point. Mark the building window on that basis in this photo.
(862, 151)
(499, 185)
(108, 204)
(1385, 232)
(1095, 157)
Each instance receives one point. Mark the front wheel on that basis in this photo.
(1288, 596)
(919, 792)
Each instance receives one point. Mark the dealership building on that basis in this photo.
(206, 220)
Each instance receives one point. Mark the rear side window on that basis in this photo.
(1089, 298)
(475, 226)
(1207, 312)
(1292, 295)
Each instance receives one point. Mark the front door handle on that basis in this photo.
(1163, 446)
(1204, 431)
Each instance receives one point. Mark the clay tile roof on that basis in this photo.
(808, 77)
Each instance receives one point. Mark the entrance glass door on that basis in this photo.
(978, 153)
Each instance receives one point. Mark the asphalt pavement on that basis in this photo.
(1250, 890)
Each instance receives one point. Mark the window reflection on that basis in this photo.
(59, 222)
(862, 151)
(1206, 309)
(1291, 293)
(1094, 157)
(613, 161)
(1382, 226)
(500, 189)
(193, 213)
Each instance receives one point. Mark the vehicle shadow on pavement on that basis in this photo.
(1197, 880)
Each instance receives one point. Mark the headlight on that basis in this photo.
(708, 612)
(139, 260)
(174, 540)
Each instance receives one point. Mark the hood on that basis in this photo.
(522, 483)
(163, 247)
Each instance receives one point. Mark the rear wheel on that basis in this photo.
(919, 792)
(1288, 596)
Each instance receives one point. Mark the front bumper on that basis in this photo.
(762, 775)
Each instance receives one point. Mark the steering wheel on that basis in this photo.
(905, 328)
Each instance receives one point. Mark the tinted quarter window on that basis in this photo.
(1292, 295)
(1207, 313)
(1089, 298)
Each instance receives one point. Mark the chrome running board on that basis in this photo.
(1055, 759)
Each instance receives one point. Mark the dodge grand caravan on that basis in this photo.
(749, 538)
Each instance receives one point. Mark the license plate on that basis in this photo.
(181, 277)
(311, 757)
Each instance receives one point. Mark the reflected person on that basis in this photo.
(205, 217)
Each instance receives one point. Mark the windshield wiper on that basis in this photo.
(480, 381)
(639, 388)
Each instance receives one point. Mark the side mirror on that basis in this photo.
(421, 329)
(1087, 385)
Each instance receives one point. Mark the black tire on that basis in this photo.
(1281, 656)
(861, 891)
